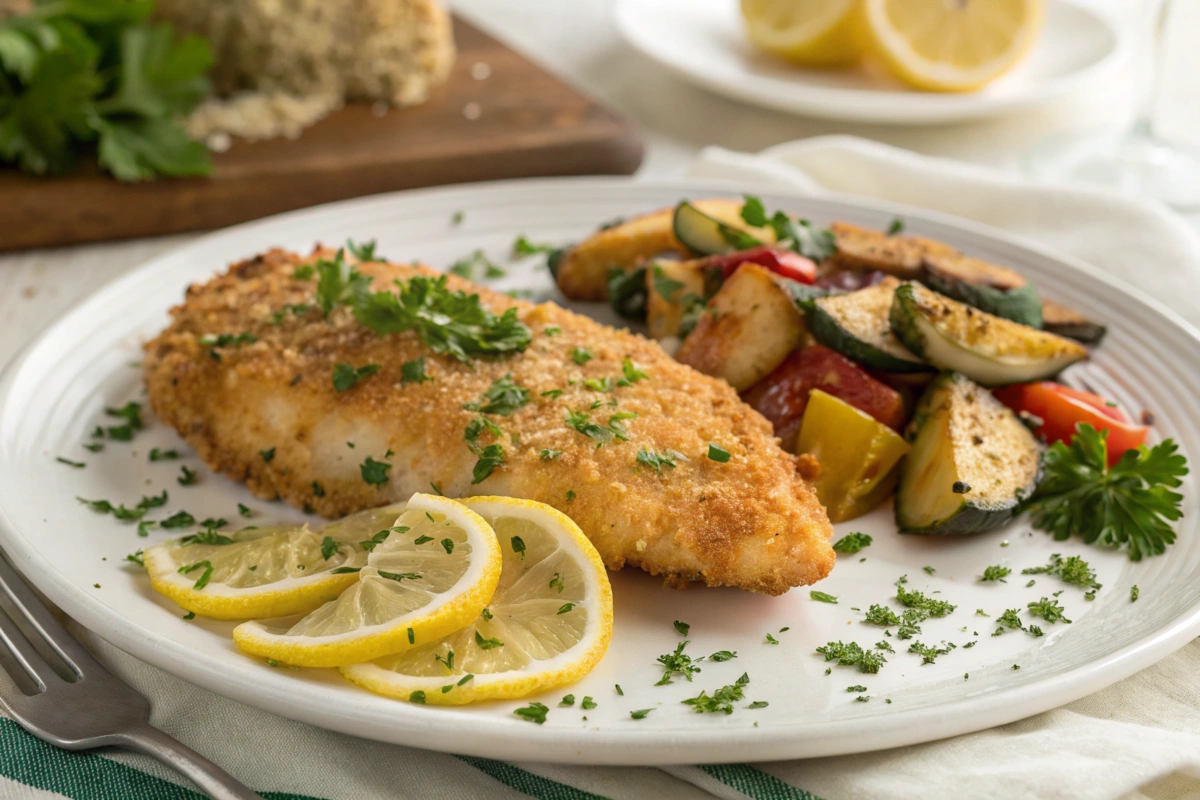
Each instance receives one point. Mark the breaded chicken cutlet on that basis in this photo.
(599, 423)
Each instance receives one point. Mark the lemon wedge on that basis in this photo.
(810, 32)
(945, 46)
(432, 575)
(548, 624)
(265, 572)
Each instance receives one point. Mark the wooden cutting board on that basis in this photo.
(529, 124)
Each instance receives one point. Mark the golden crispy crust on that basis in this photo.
(751, 522)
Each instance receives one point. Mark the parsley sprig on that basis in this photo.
(1130, 504)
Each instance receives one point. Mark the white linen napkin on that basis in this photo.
(1139, 738)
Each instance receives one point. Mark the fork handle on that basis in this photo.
(216, 782)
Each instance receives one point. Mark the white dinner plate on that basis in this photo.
(704, 41)
(55, 394)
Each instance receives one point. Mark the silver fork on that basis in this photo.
(90, 707)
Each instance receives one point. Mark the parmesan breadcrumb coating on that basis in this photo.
(267, 412)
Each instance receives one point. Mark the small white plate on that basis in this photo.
(705, 42)
(55, 394)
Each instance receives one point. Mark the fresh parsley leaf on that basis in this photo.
(534, 712)
(447, 321)
(345, 376)
(897, 226)
(631, 372)
(180, 519)
(70, 463)
(852, 543)
(414, 371)
(657, 461)
(267, 455)
(187, 477)
(1073, 570)
(664, 286)
(524, 247)
(487, 644)
(475, 265)
(163, 455)
(564, 608)
(329, 548)
(490, 458)
(374, 472)
(929, 653)
(503, 397)
(995, 573)
(627, 293)
(682, 627)
(549, 455)
(677, 663)
(822, 597)
(915, 599)
(722, 700)
(640, 713)
(1129, 505)
(1133, 593)
(364, 251)
(718, 453)
(1048, 609)
(205, 576)
(581, 355)
(587, 704)
(518, 546)
(802, 236)
(771, 639)
(399, 576)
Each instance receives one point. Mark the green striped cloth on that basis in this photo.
(1143, 732)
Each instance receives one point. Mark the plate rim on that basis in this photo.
(830, 103)
(430, 728)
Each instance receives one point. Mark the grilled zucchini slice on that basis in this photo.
(986, 348)
(971, 465)
(988, 287)
(1068, 322)
(709, 228)
(856, 325)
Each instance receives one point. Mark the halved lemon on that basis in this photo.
(265, 572)
(432, 575)
(810, 32)
(548, 624)
(950, 46)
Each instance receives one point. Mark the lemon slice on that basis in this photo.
(810, 32)
(548, 624)
(945, 46)
(265, 572)
(432, 575)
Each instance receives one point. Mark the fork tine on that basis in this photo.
(73, 654)
(26, 656)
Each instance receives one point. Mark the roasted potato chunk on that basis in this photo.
(671, 288)
(582, 271)
(750, 327)
(862, 249)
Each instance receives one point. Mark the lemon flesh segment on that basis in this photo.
(809, 32)
(264, 572)
(943, 46)
(548, 624)
(432, 575)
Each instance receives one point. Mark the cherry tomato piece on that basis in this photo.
(1061, 409)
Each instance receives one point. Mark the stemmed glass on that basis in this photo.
(1145, 159)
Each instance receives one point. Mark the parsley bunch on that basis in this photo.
(800, 235)
(93, 74)
(1129, 504)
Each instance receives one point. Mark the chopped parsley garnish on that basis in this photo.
(631, 372)
(758, 704)
(549, 455)
(587, 704)
(799, 235)
(617, 686)
(534, 712)
(856, 689)
(722, 700)
(244, 510)
(718, 453)
(219, 341)
(303, 272)
(267, 455)
(447, 545)
(524, 247)
(664, 285)
(502, 397)
(136, 558)
(370, 544)
(604, 384)
(640, 713)
(417, 697)
(364, 251)
(1048, 609)
(882, 644)
(490, 457)
(329, 548)
(1073, 570)
(852, 655)
(70, 463)
(1130, 504)
(518, 546)
(657, 461)
(565, 607)
(472, 266)
(422, 539)
(678, 663)
(568, 700)
(344, 570)
(346, 376)
(916, 599)
(822, 597)
(771, 639)
(682, 627)
(552, 330)
(375, 472)
(723, 655)
(852, 543)
(94, 447)
(187, 477)
(929, 653)
(557, 583)
(582, 355)
(570, 495)
(399, 576)
(413, 371)
(447, 660)
(339, 282)
(1009, 619)
(209, 536)
(1133, 593)
(910, 624)
(881, 615)
(447, 321)
(202, 581)
(929, 570)
(897, 226)
(180, 519)
(581, 422)
(995, 573)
